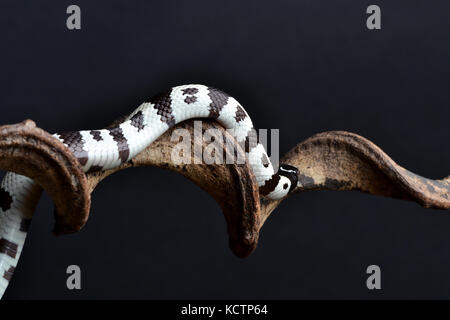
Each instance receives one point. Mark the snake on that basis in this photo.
(99, 150)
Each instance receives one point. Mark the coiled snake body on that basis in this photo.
(108, 148)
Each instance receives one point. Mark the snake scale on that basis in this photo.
(105, 149)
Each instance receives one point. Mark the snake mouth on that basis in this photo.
(289, 172)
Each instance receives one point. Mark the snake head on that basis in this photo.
(291, 173)
(281, 183)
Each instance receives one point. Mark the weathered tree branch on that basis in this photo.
(339, 160)
(326, 161)
(233, 186)
(32, 152)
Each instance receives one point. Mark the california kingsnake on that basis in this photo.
(104, 149)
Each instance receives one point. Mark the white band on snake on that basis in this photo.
(104, 149)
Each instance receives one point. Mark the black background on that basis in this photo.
(300, 66)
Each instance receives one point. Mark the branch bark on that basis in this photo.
(32, 152)
(339, 160)
(327, 161)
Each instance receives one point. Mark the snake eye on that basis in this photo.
(285, 186)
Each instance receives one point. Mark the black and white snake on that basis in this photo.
(104, 149)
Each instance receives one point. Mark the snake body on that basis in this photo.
(104, 149)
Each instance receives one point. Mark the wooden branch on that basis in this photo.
(326, 161)
(339, 160)
(233, 186)
(32, 152)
